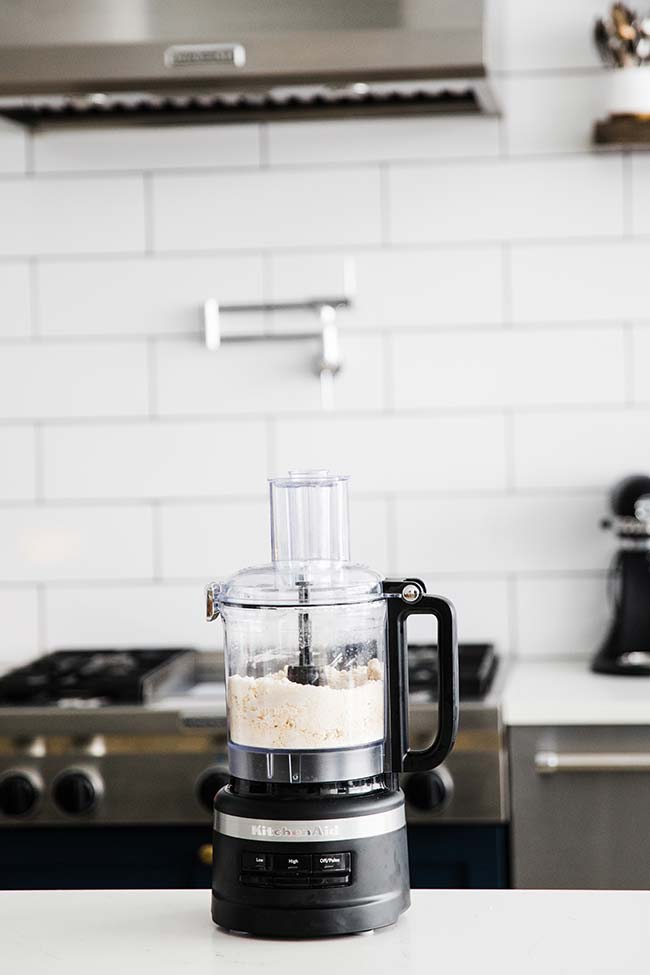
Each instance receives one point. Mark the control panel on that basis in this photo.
(295, 869)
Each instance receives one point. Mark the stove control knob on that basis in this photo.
(20, 790)
(209, 784)
(429, 791)
(76, 791)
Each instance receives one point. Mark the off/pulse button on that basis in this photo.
(330, 862)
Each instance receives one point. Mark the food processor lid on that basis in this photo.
(310, 548)
(301, 584)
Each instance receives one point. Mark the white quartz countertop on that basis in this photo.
(566, 692)
(455, 932)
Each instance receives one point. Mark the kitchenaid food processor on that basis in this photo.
(310, 836)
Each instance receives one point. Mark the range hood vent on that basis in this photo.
(129, 61)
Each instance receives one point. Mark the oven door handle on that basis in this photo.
(553, 763)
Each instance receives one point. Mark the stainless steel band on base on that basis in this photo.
(310, 830)
(338, 765)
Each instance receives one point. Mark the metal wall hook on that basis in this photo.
(327, 364)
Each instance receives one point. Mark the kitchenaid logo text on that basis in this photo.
(317, 831)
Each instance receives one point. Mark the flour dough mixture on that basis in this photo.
(273, 712)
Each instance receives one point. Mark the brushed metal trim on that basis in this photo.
(337, 765)
(550, 763)
(310, 830)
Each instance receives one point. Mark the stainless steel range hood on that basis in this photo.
(81, 61)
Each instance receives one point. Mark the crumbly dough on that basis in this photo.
(274, 712)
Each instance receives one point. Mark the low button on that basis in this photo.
(254, 862)
(331, 862)
(291, 863)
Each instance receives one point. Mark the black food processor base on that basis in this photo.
(314, 888)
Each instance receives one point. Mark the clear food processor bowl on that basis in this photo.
(305, 645)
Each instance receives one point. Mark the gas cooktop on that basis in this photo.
(118, 677)
(91, 678)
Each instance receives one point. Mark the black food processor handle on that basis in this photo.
(407, 597)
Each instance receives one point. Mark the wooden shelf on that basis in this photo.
(623, 132)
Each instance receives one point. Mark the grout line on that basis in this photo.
(487, 495)
(557, 575)
(34, 307)
(384, 205)
(627, 194)
(39, 464)
(391, 533)
(152, 380)
(156, 541)
(359, 331)
(313, 249)
(388, 378)
(374, 414)
(248, 168)
(148, 216)
(629, 342)
(41, 617)
(271, 446)
(513, 604)
(506, 284)
(509, 450)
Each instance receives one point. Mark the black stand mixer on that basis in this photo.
(626, 649)
(310, 834)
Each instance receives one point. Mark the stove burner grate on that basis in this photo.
(110, 676)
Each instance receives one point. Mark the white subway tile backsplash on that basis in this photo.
(162, 459)
(482, 611)
(436, 453)
(511, 533)
(75, 543)
(372, 140)
(564, 617)
(211, 541)
(641, 364)
(154, 296)
(530, 37)
(594, 281)
(13, 147)
(15, 311)
(72, 379)
(274, 377)
(148, 147)
(592, 448)
(162, 614)
(369, 532)
(507, 367)
(436, 286)
(19, 629)
(267, 209)
(640, 202)
(18, 468)
(500, 335)
(71, 216)
(507, 200)
(551, 113)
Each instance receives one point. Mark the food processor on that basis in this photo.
(310, 835)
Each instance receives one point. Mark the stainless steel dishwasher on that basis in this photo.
(580, 806)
